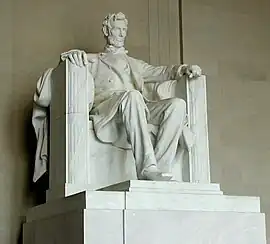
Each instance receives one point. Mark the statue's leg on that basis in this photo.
(169, 114)
(133, 112)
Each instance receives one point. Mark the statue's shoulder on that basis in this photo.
(92, 57)
(130, 58)
(133, 59)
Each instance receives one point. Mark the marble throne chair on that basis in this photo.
(79, 161)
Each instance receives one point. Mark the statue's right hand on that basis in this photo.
(77, 57)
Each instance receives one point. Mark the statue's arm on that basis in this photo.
(152, 73)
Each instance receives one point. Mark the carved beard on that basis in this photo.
(112, 40)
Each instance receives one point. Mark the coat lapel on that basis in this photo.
(104, 58)
(136, 74)
(138, 80)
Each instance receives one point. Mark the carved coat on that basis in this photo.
(112, 78)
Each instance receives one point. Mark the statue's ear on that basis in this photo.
(105, 31)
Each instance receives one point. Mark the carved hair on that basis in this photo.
(107, 23)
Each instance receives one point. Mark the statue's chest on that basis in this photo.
(118, 62)
(113, 72)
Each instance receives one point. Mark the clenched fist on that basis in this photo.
(191, 71)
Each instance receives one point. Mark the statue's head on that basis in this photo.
(115, 29)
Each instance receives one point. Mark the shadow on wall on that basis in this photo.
(34, 191)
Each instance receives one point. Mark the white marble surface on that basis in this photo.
(84, 200)
(109, 164)
(137, 217)
(197, 116)
(147, 227)
(191, 202)
(141, 200)
(103, 226)
(165, 187)
(188, 227)
(131, 217)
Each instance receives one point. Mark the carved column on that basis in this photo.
(197, 116)
(77, 123)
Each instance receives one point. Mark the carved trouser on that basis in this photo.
(168, 114)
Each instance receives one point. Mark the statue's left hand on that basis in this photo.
(191, 71)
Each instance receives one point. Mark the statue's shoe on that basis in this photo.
(152, 173)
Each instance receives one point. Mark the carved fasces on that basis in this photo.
(71, 100)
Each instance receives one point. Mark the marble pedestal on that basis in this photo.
(141, 212)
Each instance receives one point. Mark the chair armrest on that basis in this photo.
(198, 123)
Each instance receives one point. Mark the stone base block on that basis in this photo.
(93, 226)
(193, 227)
(136, 216)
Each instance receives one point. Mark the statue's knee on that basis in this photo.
(133, 99)
(178, 104)
(134, 95)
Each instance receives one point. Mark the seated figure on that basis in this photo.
(121, 107)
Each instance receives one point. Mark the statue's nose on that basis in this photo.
(121, 33)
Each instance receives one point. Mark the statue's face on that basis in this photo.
(117, 33)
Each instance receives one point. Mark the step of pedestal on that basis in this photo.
(191, 202)
(138, 186)
(165, 187)
(101, 200)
